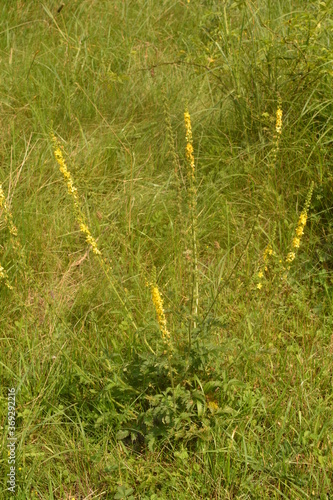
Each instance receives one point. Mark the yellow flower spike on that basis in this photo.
(278, 131)
(188, 127)
(81, 220)
(189, 145)
(299, 231)
(278, 126)
(192, 192)
(72, 191)
(259, 286)
(158, 303)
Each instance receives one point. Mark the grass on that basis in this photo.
(240, 406)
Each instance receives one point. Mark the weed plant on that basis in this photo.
(215, 380)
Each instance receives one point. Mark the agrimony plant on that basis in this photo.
(299, 231)
(278, 131)
(192, 197)
(82, 222)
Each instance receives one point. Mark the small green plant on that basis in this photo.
(169, 399)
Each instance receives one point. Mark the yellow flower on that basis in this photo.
(2, 197)
(213, 406)
(296, 242)
(83, 228)
(278, 126)
(267, 252)
(188, 127)
(303, 218)
(189, 150)
(300, 231)
(264, 268)
(63, 169)
(158, 303)
(290, 257)
(189, 145)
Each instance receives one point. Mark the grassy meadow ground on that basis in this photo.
(237, 402)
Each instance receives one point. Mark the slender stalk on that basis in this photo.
(81, 220)
(299, 231)
(193, 219)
